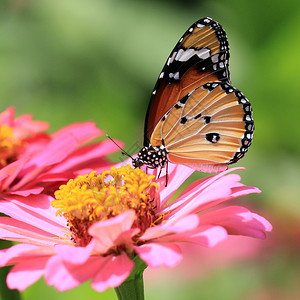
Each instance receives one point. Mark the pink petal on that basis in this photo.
(64, 276)
(7, 116)
(57, 150)
(54, 177)
(187, 223)
(54, 152)
(159, 254)
(25, 126)
(208, 193)
(176, 176)
(264, 222)
(18, 253)
(125, 239)
(242, 190)
(106, 232)
(35, 211)
(34, 145)
(26, 273)
(239, 221)
(14, 230)
(206, 190)
(74, 255)
(28, 192)
(207, 236)
(9, 173)
(63, 143)
(113, 273)
(82, 132)
(100, 164)
(83, 155)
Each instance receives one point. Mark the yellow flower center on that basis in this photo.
(91, 198)
(8, 145)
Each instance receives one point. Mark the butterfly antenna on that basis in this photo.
(123, 151)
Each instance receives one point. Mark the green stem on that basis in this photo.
(132, 289)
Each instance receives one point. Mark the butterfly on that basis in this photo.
(195, 116)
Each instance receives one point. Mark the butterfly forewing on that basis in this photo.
(210, 127)
(200, 56)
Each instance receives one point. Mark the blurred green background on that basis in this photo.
(69, 60)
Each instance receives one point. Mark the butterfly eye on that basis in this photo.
(137, 163)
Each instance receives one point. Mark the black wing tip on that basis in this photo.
(206, 21)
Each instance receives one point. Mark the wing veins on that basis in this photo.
(228, 135)
(185, 114)
(202, 38)
(190, 158)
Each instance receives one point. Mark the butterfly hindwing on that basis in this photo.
(209, 128)
(200, 56)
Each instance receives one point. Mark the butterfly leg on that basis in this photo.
(159, 173)
(167, 168)
(166, 173)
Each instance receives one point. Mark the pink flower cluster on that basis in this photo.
(45, 161)
(44, 249)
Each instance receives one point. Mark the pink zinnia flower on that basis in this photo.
(16, 134)
(99, 225)
(32, 162)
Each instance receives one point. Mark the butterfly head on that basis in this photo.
(137, 163)
(153, 157)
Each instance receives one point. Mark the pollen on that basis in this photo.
(9, 145)
(97, 197)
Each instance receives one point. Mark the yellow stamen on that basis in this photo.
(91, 198)
(8, 145)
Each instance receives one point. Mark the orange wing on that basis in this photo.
(208, 129)
(200, 56)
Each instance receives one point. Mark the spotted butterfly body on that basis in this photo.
(195, 116)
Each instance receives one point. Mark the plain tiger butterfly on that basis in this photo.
(195, 116)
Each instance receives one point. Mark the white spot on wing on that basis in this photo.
(184, 55)
(203, 53)
(174, 75)
(171, 58)
(215, 58)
